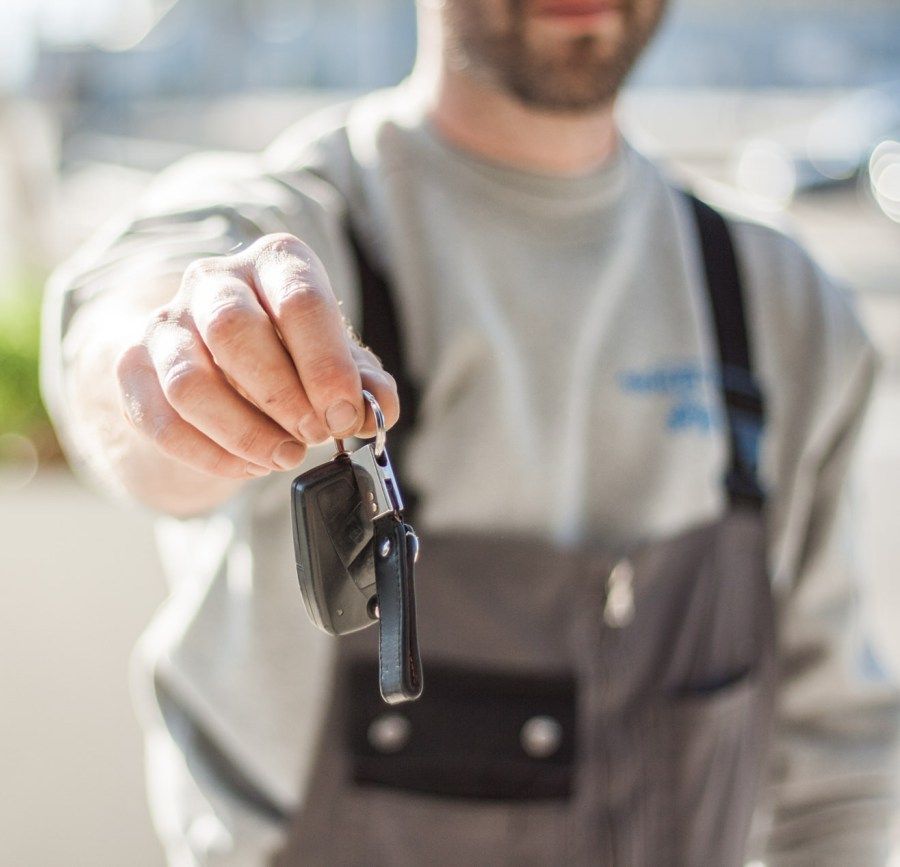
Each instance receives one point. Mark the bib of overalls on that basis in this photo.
(581, 706)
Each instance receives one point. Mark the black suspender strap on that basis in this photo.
(381, 333)
(741, 394)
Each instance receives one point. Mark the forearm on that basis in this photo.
(117, 453)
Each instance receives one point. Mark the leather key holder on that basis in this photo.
(399, 666)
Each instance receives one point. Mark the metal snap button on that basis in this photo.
(618, 610)
(541, 736)
(389, 733)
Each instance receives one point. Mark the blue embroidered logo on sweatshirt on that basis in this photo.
(683, 382)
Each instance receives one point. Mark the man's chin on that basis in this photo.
(563, 56)
(548, 88)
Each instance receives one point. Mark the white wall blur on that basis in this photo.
(78, 582)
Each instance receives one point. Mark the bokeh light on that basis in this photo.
(765, 169)
(18, 461)
(884, 172)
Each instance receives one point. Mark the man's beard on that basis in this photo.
(574, 75)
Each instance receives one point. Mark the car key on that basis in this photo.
(355, 556)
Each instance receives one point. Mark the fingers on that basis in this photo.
(294, 290)
(147, 410)
(245, 346)
(382, 385)
(196, 389)
(251, 355)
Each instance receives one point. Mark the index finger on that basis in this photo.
(296, 293)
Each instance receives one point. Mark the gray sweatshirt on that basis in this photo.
(560, 331)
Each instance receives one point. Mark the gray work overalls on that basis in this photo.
(580, 706)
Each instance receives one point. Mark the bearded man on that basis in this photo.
(627, 422)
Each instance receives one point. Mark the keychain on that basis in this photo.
(355, 556)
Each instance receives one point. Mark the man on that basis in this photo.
(629, 444)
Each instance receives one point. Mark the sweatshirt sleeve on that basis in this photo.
(832, 796)
(209, 204)
(835, 770)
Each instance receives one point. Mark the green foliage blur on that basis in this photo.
(21, 409)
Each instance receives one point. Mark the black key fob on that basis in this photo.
(333, 532)
(356, 554)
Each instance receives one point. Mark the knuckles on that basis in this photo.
(204, 269)
(289, 263)
(167, 320)
(249, 441)
(226, 324)
(184, 384)
(280, 245)
(162, 317)
(285, 397)
(330, 372)
(301, 301)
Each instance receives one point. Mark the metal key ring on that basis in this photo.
(380, 430)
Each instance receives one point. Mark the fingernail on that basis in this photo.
(341, 417)
(254, 470)
(288, 454)
(312, 430)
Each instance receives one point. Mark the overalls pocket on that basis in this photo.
(482, 765)
(710, 749)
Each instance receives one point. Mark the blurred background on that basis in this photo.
(792, 103)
